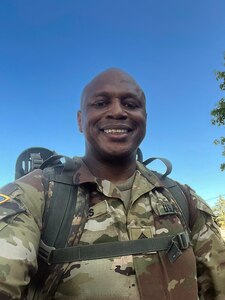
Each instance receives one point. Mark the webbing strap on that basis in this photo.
(113, 249)
(178, 195)
(174, 187)
(166, 162)
(62, 204)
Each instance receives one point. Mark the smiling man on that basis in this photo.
(113, 119)
(127, 237)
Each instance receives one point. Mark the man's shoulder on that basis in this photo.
(189, 192)
(26, 194)
(197, 201)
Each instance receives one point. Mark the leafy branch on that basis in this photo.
(218, 113)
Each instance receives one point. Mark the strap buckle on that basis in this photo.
(45, 252)
(183, 240)
(180, 242)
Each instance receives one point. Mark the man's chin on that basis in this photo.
(119, 154)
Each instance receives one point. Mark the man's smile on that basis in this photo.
(116, 128)
(116, 131)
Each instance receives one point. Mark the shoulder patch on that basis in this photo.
(4, 198)
(10, 208)
(9, 204)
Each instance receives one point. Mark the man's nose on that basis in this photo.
(117, 109)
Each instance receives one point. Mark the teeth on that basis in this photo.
(115, 131)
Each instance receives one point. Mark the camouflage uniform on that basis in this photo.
(199, 273)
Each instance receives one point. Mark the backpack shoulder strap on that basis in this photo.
(61, 174)
(58, 215)
(178, 194)
(173, 186)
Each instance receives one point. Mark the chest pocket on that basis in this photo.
(106, 223)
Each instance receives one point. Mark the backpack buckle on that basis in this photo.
(45, 252)
(180, 242)
(183, 240)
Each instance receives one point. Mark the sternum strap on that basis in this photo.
(172, 244)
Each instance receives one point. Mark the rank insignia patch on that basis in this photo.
(4, 198)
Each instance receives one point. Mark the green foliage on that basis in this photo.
(218, 113)
(219, 211)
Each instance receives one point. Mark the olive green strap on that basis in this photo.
(174, 187)
(172, 244)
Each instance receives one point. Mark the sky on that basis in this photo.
(49, 50)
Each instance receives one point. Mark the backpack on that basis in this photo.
(58, 217)
(39, 157)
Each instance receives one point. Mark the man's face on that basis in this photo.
(112, 116)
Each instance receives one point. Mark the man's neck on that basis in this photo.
(116, 171)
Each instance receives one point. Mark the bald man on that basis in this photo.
(119, 206)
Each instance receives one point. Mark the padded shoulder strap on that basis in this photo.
(174, 187)
(59, 214)
(178, 194)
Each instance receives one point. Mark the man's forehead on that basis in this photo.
(112, 77)
(112, 74)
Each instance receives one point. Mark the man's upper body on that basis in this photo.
(117, 200)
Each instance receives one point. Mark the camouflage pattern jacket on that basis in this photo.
(102, 216)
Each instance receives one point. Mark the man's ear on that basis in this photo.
(79, 120)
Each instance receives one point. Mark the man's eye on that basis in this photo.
(130, 104)
(100, 103)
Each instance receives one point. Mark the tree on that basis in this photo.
(219, 211)
(218, 113)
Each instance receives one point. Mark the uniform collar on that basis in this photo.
(144, 181)
(82, 173)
